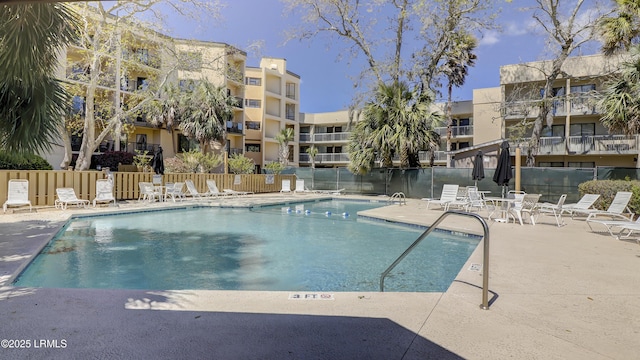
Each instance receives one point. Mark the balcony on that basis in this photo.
(579, 104)
(325, 137)
(456, 131)
(234, 151)
(234, 75)
(325, 158)
(582, 145)
(239, 102)
(234, 128)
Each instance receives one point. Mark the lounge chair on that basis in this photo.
(213, 189)
(616, 209)
(236, 192)
(553, 209)
(329, 192)
(300, 188)
(66, 197)
(525, 207)
(148, 192)
(104, 192)
(286, 186)
(448, 197)
(585, 203)
(193, 192)
(17, 194)
(610, 225)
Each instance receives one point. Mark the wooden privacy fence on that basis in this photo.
(43, 183)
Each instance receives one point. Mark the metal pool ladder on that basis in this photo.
(399, 196)
(485, 273)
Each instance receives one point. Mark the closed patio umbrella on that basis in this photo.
(503, 170)
(478, 168)
(158, 161)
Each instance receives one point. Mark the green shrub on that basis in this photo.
(176, 165)
(608, 189)
(240, 164)
(23, 162)
(274, 167)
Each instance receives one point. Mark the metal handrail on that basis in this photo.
(400, 197)
(485, 275)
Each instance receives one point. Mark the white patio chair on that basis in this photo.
(475, 200)
(300, 188)
(17, 194)
(616, 209)
(174, 191)
(553, 209)
(66, 197)
(193, 192)
(585, 203)
(213, 189)
(148, 192)
(448, 197)
(104, 192)
(286, 186)
(526, 207)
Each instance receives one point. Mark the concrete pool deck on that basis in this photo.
(557, 293)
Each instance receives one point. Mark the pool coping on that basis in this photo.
(563, 293)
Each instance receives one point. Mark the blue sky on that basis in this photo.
(326, 84)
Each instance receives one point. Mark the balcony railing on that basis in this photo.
(325, 158)
(579, 104)
(239, 102)
(325, 137)
(456, 131)
(233, 151)
(234, 128)
(582, 145)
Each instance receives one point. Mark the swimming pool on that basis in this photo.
(313, 246)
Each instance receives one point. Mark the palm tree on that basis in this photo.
(456, 68)
(32, 101)
(620, 104)
(205, 112)
(283, 138)
(397, 121)
(619, 32)
(312, 151)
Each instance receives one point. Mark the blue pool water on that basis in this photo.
(314, 246)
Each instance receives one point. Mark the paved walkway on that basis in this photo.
(557, 293)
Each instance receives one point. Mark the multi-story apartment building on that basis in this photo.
(329, 133)
(573, 135)
(272, 104)
(268, 96)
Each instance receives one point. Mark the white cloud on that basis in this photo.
(489, 38)
(516, 29)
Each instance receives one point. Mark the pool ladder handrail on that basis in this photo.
(402, 200)
(485, 273)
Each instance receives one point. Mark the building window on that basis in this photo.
(142, 83)
(554, 130)
(253, 81)
(78, 106)
(582, 88)
(551, 164)
(290, 111)
(142, 55)
(252, 147)
(185, 144)
(291, 90)
(187, 84)
(581, 164)
(587, 129)
(253, 103)
(189, 61)
(252, 125)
